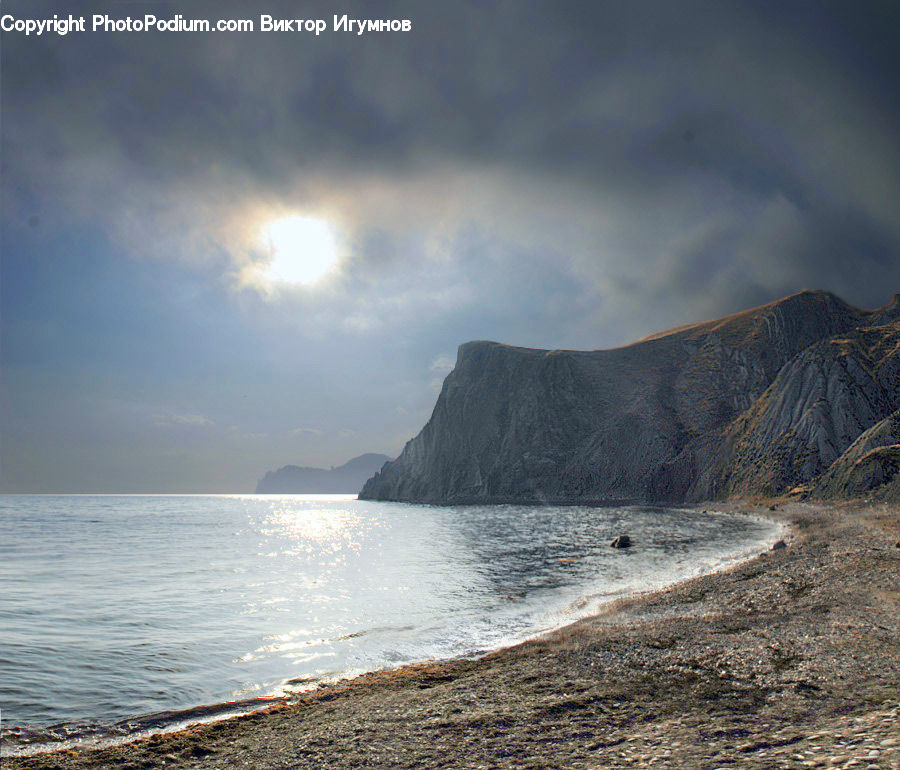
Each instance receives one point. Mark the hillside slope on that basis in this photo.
(869, 467)
(818, 405)
(676, 416)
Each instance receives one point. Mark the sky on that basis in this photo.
(548, 174)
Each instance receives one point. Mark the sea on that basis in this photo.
(127, 614)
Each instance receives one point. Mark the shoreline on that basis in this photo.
(704, 656)
(147, 725)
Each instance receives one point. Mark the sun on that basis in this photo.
(303, 249)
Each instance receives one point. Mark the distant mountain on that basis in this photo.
(347, 478)
(757, 403)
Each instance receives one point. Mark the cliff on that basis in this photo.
(346, 478)
(688, 414)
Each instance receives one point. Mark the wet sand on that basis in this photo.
(791, 659)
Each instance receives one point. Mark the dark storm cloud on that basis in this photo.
(563, 174)
(652, 103)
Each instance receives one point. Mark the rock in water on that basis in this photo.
(622, 541)
(779, 545)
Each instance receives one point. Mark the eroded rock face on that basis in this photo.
(869, 467)
(818, 405)
(681, 415)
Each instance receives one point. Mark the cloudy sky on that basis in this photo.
(549, 174)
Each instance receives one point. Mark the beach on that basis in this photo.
(788, 659)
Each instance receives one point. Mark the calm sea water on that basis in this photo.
(117, 606)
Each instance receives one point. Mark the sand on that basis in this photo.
(791, 659)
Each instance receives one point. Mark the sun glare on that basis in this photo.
(303, 249)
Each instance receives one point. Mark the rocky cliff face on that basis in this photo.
(682, 415)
